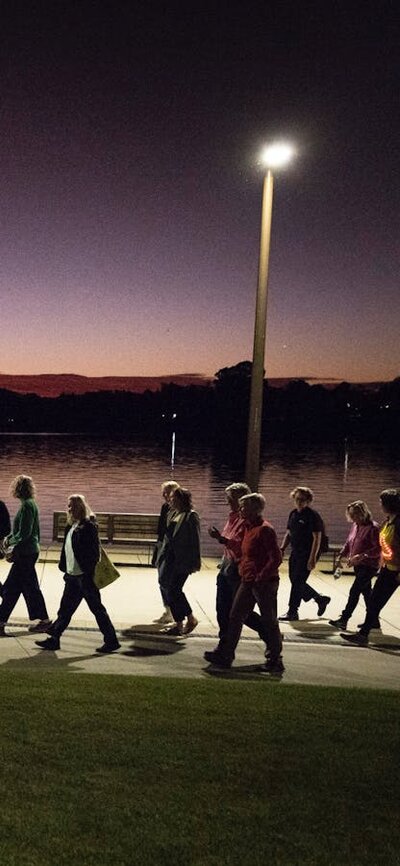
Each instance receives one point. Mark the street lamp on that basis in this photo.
(274, 156)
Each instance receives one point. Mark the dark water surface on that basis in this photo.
(124, 476)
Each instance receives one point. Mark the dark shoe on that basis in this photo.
(51, 643)
(376, 624)
(323, 604)
(274, 666)
(356, 639)
(43, 626)
(288, 617)
(108, 647)
(339, 623)
(173, 631)
(214, 658)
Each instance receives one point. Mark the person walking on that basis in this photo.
(304, 533)
(259, 573)
(166, 512)
(79, 556)
(5, 529)
(228, 577)
(22, 578)
(362, 551)
(388, 579)
(179, 557)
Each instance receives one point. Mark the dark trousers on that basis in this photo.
(76, 588)
(386, 584)
(22, 580)
(360, 586)
(172, 584)
(264, 593)
(228, 582)
(298, 575)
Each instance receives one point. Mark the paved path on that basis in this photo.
(314, 653)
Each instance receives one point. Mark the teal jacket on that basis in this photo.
(26, 530)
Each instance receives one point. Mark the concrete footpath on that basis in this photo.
(314, 652)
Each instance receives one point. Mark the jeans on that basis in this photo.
(265, 593)
(386, 584)
(22, 580)
(228, 581)
(360, 586)
(76, 588)
(298, 575)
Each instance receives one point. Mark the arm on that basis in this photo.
(285, 541)
(26, 522)
(312, 559)
(272, 556)
(370, 547)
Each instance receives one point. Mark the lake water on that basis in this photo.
(124, 476)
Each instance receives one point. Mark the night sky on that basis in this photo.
(130, 191)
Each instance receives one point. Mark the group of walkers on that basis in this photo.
(248, 574)
(249, 570)
(80, 554)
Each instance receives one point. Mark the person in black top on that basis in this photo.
(167, 488)
(304, 534)
(79, 556)
(5, 528)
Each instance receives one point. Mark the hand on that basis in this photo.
(282, 550)
(311, 563)
(214, 532)
(354, 560)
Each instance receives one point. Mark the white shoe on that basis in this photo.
(165, 618)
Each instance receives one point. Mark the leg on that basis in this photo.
(31, 590)
(242, 607)
(361, 585)
(91, 594)
(228, 581)
(11, 592)
(266, 594)
(70, 601)
(386, 584)
(178, 602)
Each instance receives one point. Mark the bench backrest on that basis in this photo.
(122, 528)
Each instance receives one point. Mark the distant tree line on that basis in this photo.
(215, 413)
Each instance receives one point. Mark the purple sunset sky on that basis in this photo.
(130, 193)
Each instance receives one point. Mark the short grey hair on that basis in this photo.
(238, 489)
(256, 500)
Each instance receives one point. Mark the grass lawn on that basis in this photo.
(124, 770)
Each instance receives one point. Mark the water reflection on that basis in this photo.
(126, 476)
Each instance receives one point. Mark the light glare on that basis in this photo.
(276, 155)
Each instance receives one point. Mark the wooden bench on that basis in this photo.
(137, 530)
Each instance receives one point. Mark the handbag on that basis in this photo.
(105, 571)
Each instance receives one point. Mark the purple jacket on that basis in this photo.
(364, 540)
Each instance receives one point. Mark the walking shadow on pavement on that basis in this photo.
(154, 645)
(241, 672)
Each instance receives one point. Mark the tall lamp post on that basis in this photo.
(273, 157)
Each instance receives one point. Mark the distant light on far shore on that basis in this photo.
(277, 155)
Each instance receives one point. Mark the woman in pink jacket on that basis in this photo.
(362, 551)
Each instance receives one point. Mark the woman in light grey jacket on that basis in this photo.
(179, 557)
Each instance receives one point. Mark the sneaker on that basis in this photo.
(323, 604)
(42, 626)
(274, 666)
(214, 658)
(356, 639)
(190, 626)
(339, 623)
(288, 617)
(108, 647)
(51, 643)
(165, 618)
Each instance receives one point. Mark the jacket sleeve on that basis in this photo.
(25, 526)
(272, 556)
(5, 522)
(194, 524)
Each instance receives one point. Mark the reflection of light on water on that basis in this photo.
(346, 461)
(173, 451)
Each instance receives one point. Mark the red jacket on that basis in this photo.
(261, 556)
